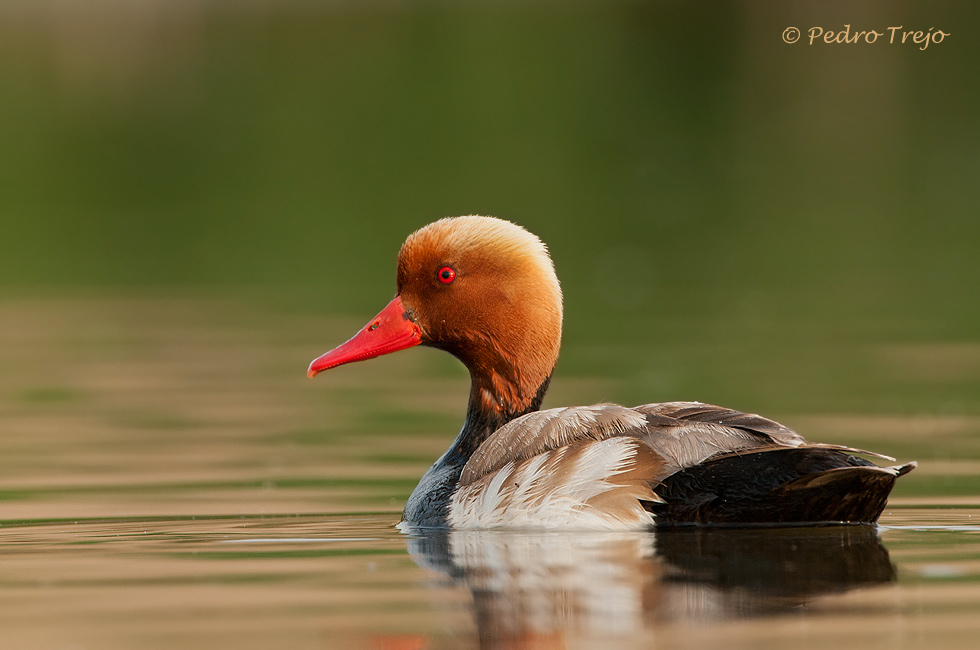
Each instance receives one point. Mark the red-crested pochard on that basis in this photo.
(485, 290)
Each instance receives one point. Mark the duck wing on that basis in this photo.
(681, 434)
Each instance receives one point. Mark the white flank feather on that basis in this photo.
(542, 492)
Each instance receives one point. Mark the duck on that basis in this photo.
(485, 290)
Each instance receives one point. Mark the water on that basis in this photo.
(354, 581)
(171, 479)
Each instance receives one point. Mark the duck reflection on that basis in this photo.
(531, 589)
(742, 572)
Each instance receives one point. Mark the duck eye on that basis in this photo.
(446, 274)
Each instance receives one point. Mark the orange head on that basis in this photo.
(482, 289)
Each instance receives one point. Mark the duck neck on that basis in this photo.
(492, 404)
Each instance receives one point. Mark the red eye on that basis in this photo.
(446, 274)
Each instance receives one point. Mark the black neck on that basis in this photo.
(480, 423)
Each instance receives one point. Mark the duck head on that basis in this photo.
(482, 289)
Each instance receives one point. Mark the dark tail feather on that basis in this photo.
(793, 485)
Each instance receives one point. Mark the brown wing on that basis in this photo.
(683, 433)
(692, 412)
(687, 433)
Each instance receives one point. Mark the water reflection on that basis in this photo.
(533, 589)
(743, 572)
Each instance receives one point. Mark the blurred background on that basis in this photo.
(200, 196)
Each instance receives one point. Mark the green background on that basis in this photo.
(732, 217)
